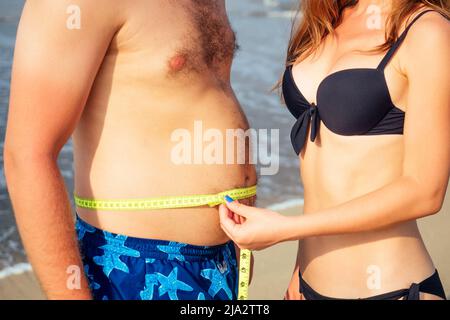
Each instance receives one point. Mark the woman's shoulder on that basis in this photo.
(425, 51)
(429, 36)
(431, 27)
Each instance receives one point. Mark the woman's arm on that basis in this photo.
(419, 191)
(54, 68)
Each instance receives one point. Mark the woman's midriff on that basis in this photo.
(126, 152)
(338, 169)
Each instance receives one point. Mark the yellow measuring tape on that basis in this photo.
(170, 202)
(244, 274)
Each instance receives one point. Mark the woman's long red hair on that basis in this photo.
(320, 17)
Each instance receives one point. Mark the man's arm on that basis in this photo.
(55, 64)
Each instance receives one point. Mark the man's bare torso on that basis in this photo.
(167, 67)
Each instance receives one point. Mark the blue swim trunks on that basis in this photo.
(119, 267)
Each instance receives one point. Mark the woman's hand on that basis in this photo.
(252, 228)
(293, 290)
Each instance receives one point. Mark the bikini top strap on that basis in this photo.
(399, 41)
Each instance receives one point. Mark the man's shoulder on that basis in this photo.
(106, 13)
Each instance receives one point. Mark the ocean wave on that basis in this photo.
(281, 4)
(15, 270)
(264, 8)
(5, 41)
(292, 203)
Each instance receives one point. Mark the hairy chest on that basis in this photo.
(179, 37)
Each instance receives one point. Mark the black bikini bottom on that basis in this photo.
(431, 285)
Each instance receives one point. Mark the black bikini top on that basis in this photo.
(349, 102)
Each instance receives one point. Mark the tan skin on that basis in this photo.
(120, 85)
(363, 194)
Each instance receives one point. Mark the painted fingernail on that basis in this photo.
(229, 199)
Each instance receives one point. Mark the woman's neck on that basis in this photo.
(363, 5)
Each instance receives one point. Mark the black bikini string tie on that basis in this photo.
(300, 129)
(414, 292)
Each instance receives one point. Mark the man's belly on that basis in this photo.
(346, 265)
(133, 155)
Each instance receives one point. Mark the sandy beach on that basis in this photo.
(273, 267)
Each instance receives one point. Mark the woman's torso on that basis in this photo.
(336, 169)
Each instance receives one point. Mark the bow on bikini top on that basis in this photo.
(349, 102)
